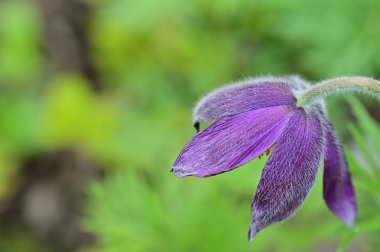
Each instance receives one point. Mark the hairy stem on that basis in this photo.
(340, 85)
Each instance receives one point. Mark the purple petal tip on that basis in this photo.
(349, 218)
(251, 233)
(178, 172)
(350, 223)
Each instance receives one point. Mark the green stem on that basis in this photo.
(339, 85)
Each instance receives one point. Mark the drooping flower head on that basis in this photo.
(285, 114)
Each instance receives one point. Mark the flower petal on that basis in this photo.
(290, 171)
(245, 96)
(232, 142)
(338, 191)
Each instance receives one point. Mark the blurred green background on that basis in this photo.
(96, 101)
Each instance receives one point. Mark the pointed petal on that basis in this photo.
(244, 96)
(232, 142)
(338, 191)
(290, 171)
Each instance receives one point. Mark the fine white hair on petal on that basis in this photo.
(247, 94)
(299, 83)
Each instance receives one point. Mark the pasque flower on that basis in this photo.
(283, 114)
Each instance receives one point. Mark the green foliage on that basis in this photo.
(336, 38)
(364, 165)
(20, 240)
(20, 60)
(137, 212)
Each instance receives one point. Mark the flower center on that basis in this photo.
(267, 152)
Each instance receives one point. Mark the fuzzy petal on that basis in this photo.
(338, 191)
(245, 96)
(232, 142)
(290, 171)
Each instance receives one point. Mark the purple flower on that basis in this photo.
(254, 116)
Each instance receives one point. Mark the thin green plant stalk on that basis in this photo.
(339, 85)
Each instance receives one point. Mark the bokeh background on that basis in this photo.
(96, 101)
